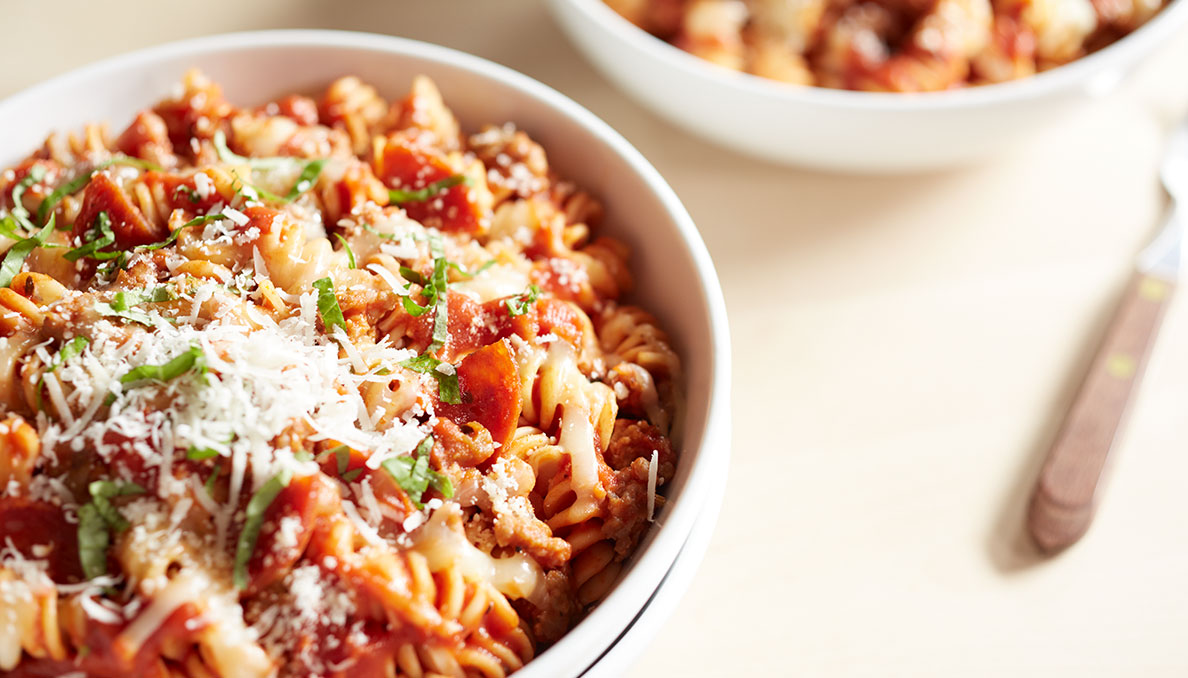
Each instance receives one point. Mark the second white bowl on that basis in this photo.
(843, 130)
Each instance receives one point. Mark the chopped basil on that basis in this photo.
(102, 491)
(441, 320)
(347, 246)
(98, 237)
(14, 258)
(210, 481)
(251, 192)
(123, 304)
(379, 234)
(440, 286)
(414, 309)
(305, 181)
(447, 388)
(96, 519)
(193, 360)
(227, 155)
(201, 453)
(435, 290)
(413, 276)
(95, 239)
(252, 522)
(71, 349)
(9, 228)
(92, 541)
(328, 306)
(156, 295)
(447, 384)
(75, 185)
(303, 455)
(342, 457)
(307, 178)
(436, 247)
(206, 218)
(470, 274)
(414, 476)
(188, 192)
(399, 196)
(519, 304)
(36, 174)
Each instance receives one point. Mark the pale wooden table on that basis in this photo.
(905, 348)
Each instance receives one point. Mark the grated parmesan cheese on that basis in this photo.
(653, 470)
(236, 216)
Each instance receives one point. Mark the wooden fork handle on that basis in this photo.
(1065, 495)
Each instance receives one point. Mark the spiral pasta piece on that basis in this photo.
(28, 620)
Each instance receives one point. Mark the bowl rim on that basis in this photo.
(630, 644)
(1067, 76)
(572, 653)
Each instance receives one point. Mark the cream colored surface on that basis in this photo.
(905, 348)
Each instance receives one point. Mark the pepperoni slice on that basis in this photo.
(490, 387)
(402, 163)
(39, 531)
(127, 222)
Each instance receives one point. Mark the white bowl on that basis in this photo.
(675, 277)
(660, 607)
(843, 130)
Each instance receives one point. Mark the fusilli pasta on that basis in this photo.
(320, 388)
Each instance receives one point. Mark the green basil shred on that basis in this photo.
(447, 384)
(201, 453)
(307, 178)
(206, 218)
(310, 170)
(435, 290)
(94, 240)
(328, 306)
(378, 233)
(35, 175)
(14, 258)
(347, 246)
(124, 303)
(192, 360)
(414, 475)
(252, 522)
(93, 539)
(96, 519)
(210, 480)
(400, 197)
(342, 457)
(470, 274)
(188, 192)
(519, 304)
(227, 155)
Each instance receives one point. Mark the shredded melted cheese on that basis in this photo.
(515, 576)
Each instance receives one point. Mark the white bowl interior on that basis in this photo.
(674, 274)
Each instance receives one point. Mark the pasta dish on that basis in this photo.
(326, 387)
(885, 45)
